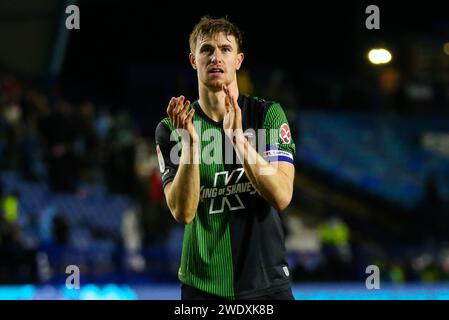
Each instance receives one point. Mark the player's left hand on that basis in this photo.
(232, 122)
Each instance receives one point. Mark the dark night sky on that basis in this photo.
(310, 37)
(129, 30)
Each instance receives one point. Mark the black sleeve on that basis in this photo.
(166, 150)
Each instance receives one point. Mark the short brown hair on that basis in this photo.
(209, 27)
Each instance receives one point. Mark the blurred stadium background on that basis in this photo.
(79, 178)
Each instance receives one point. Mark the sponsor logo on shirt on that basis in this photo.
(228, 194)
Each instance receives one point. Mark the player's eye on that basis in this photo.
(207, 50)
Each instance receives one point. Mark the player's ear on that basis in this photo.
(192, 60)
(240, 57)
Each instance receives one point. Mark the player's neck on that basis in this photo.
(213, 102)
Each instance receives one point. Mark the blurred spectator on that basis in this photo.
(17, 263)
(155, 217)
(103, 123)
(31, 164)
(303, 242)
(85, 143)
(434, 212)
(334, 235)
(60, 230)
(58, 130)
(395, 272)
(392, 95)
(45, 224)
(120, 159)
(132, 242)
(10, 206)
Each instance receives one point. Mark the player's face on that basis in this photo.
(216, 60)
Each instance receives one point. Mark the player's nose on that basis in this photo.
(216, 57)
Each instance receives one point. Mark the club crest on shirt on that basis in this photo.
(160, 158)
(284, 133)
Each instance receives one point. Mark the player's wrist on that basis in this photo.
(189, 153)
(190, 140)
(235, 136)
(189, 145)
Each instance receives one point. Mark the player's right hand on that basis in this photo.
(181, 117)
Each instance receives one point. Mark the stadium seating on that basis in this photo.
(380, 153)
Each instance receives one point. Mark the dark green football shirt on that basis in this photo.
(234, 247)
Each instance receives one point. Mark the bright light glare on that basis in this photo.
(379, 56)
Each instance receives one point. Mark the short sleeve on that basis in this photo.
(279, 142)
(167, 156)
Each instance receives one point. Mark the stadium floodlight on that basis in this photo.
(379, 56)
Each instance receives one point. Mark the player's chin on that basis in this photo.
(216, 85)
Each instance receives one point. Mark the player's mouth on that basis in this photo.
(216, 71)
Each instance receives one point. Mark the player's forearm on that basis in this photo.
(269, 181)
(184, 194)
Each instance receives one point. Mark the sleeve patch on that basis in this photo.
(284, 133)
(274, 154)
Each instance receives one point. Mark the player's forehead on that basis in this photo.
(219, 38)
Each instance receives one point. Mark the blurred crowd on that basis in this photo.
(71, 144)
(68, 145)
(326, 250)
